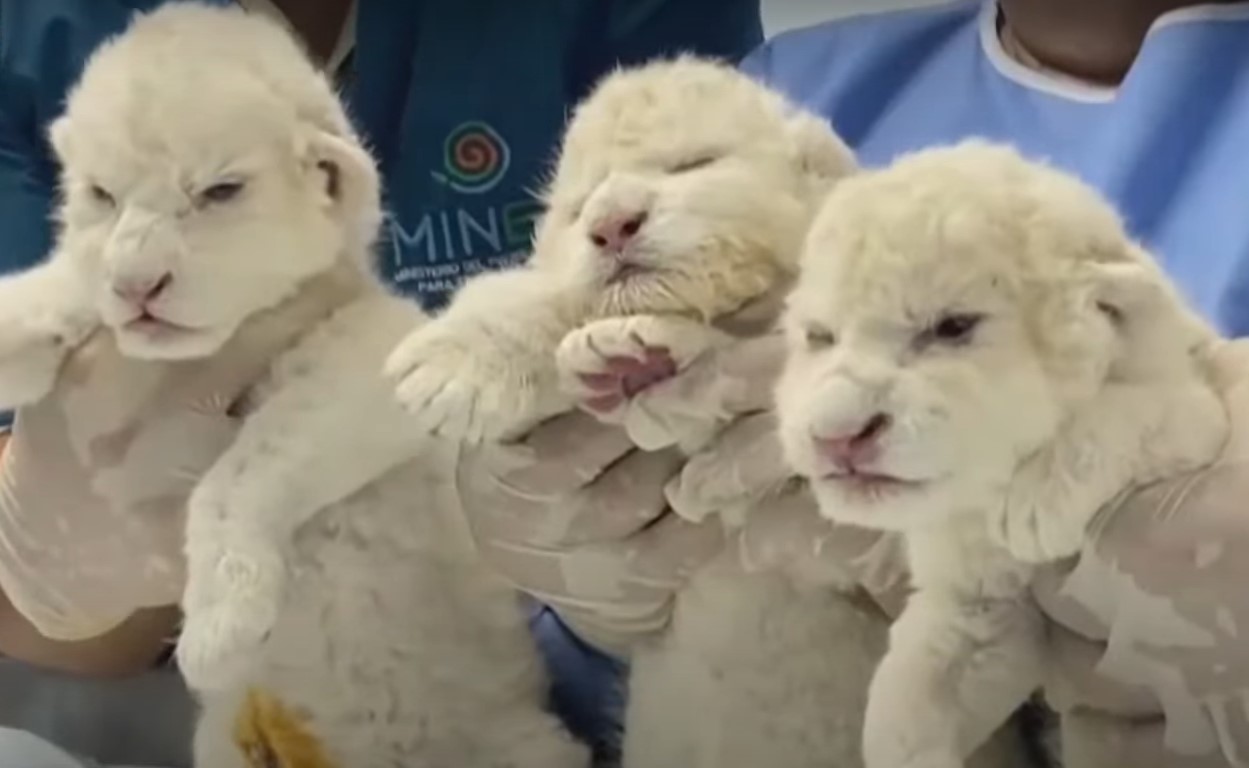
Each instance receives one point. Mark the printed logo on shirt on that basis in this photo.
(475, 159)
(436, 252)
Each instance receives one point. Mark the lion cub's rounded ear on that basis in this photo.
(58, 136)
(345, 172)
(820, 153)
(1123, 288)
(1150, 316)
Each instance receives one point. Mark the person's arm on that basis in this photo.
(129, 649)
(26, 193)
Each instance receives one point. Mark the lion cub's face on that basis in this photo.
(684, 187)
(950, 312)
(194, 189)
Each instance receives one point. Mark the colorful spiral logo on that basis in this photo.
(476, 158)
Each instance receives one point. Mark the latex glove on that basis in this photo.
(784, 530)
(1154, 611)
(576, 515)
(95, 477)
(743, 469)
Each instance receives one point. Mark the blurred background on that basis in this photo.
(780, 15)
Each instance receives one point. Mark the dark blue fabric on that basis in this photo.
(588, 687)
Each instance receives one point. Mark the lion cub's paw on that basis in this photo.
(231, 605)
(608, 362)
(461, 385)
(34, 342)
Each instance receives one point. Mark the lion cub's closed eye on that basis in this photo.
(649, 212)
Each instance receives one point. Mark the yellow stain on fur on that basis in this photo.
(271, 736)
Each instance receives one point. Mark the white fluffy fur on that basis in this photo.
(328, 560)
(755, 670)
(1033, 363)
(727, 176)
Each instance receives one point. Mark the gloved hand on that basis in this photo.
(94, 478)
(1154, 667)
(744, 469)
(577, 517)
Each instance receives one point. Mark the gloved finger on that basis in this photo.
(545, 514)
(615, 632)
(1050, 590)
(613, 578)
(783, 530)
(744, 464)
(786, 532)
(625, 499)
(1075, 681)
(566, 453)
(667, 417)
(667, 553)
(724, 381)
(1093, 739)
(751, 370)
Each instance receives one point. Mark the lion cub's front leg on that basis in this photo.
(325, 430)
(45, 312)
(955, 671)
(483, 369)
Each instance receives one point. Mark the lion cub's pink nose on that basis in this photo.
(142, 291)
(612, 233)
(853, 449)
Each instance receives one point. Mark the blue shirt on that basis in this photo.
(1168, 146)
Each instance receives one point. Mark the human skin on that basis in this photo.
(1093, 40)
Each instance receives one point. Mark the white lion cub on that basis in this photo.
(212, 186)
(682, 193)
(981, 359)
